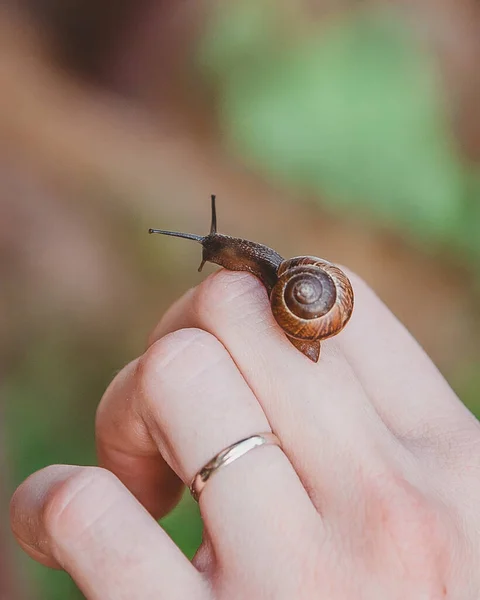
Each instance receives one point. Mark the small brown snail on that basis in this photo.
(311, 298)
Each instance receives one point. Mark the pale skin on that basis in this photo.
(375, 493)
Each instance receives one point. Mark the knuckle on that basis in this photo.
(400, 514)
(227, 291)
(185, 352)
(172, 348)
(67, 511)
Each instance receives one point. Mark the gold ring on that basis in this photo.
(227, 457)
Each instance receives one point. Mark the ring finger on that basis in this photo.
(186, 399)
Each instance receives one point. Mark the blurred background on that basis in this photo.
(336, 128)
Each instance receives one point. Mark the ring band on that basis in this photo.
(228, 456)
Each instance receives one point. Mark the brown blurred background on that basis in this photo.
(323, 128)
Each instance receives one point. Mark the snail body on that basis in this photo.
(311, 298)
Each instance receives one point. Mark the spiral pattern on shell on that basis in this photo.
(312, 299)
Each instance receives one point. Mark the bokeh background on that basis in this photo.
(336, 128)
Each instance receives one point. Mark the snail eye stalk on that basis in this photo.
(213, 226)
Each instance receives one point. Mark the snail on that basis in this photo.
(311, 298)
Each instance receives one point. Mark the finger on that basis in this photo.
(125, 446)
(194, 402)
(84, 521)
(328, 426)
(406, 387)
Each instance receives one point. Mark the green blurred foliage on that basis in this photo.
(184, 525)
(49, 420)
(350, 109)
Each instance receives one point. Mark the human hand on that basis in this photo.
(374, 494)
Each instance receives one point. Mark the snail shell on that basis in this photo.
(312, 298)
